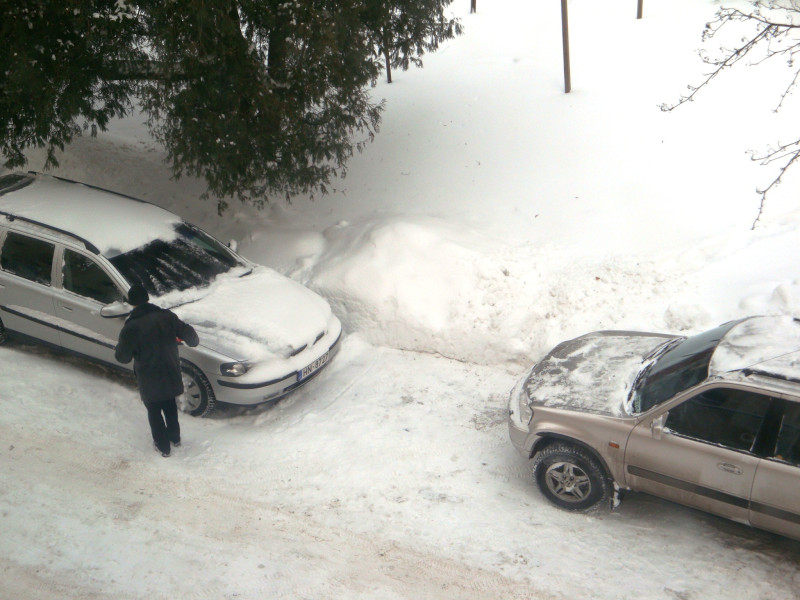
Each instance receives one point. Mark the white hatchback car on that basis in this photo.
(69, 253)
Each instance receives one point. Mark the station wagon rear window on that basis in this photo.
(27, 257)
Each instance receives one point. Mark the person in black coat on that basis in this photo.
(150, 337)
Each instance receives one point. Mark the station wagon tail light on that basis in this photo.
(234, 369)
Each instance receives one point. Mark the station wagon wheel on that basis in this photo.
(197, 398)
(3, 334)
(570, 477)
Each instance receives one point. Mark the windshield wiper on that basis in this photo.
(652, 357)
(659, 350)
(639, 380)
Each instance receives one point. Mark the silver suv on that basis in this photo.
(69, 253)
(711, 421)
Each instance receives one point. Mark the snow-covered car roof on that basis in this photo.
(112, 222)
(766, 345)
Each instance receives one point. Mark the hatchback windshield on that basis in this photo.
(192, 259)
(681, 366)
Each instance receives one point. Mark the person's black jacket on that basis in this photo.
(150, 337)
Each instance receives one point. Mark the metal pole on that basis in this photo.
(639, 9)
(565, 42)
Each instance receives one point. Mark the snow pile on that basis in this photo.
(423, 284)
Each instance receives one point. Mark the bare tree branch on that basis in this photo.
(788, 152)
(771, 30)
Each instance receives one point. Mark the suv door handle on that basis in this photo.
(729, 468)
(67, 308)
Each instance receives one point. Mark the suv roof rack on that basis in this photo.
(774, 375)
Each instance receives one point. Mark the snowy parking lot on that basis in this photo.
(493, 217)
(367, 483)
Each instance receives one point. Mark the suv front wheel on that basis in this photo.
(570, 477)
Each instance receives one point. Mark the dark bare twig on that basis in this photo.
(775, 35)
(784, 151)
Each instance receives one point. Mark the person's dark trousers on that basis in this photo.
(163, 418)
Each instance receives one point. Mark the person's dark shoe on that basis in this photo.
(164, 453)
(177, 444)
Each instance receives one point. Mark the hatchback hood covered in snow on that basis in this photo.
(254, 317)
(592, 373)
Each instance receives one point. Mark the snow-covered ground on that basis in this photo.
(493, 217)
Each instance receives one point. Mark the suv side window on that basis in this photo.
(85, 277)
(27, 257)
(730, 418)
(788, 446)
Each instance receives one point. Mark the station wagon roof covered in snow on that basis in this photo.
(84, 211)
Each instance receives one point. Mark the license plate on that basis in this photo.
(314, 366)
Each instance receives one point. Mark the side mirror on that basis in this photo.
(115, 310)
(233, 245)
(657, 425)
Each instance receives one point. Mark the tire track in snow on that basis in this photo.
(223, 534)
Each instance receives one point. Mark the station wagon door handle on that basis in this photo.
(729, 468)
(67, 308)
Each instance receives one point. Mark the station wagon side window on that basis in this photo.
(83, 276)
(788, 445)
(728, 417)
(27, 257)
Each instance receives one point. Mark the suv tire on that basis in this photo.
(570, 477)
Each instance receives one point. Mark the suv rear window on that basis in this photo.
(27, 257)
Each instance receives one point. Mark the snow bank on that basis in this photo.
(423, 284)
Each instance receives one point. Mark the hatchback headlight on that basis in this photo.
(234, 369)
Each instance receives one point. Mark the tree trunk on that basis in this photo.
(387, 44)
(388, 66)
(473, 6)
(565, 45)
(277, 53)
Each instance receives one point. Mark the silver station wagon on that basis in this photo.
(69, 253)
(711, 421)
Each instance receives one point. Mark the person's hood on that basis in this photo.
(592, 373)
(254, 317)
